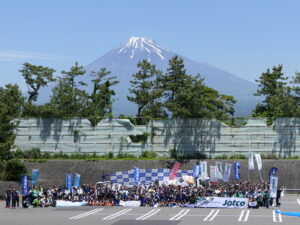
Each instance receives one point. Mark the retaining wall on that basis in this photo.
(189, 136)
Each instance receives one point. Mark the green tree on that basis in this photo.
(100, 104)
(273, 87)
(36, 77)
(68, 98)
(174, 82)
(145, 91)
(188, 97)
(200, 101)
(11, 102)
(13, 171)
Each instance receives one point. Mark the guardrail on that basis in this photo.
(291, 190)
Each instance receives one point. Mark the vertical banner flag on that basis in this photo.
(196, 170)
(77, 180)
(137, 175)
(237, 172)
(219, 170)
(35, 176)
(213, 174)
(273, 186)
(69, 181)
(227, 172)
(251, 162)
(272, 173)
(174, 171)
(25, 184)
(258, 161)
(203, 168)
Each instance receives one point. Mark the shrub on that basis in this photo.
(173, 153)
(110, 155)
(46, 155)
(200, 155)
(148, 155)
(238, 156)
(34, 153)
(224, 156)
(13, 170)
(269, 156)
(18, 154)
(126, 156)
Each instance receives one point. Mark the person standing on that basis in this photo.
(278, 198)
(266, 198)
(8, 197)
(14, 198)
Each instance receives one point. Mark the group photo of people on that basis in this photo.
(153, 195)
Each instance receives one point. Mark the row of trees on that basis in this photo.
(157, 95)
(176, 94)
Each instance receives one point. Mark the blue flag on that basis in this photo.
(137, 175)
(77, 180)
(237, 172)
(196, 170)
(35, 176)
(25, 184)
(272, 173)
(69, 181)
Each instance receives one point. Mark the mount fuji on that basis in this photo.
(122, 62)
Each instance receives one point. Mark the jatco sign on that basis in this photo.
(218, 202)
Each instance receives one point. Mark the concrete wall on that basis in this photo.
(186, 136)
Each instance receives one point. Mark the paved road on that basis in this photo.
(150, 216)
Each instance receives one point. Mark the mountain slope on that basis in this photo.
(122, 62)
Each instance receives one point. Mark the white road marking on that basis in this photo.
(247, 215)
(149, 214)
(207, 217)
(280, 217)
(179, 215)
(275, 217)
(85, 214)
(216, 213)
(298, 200)
(241, 219)
(241, 215)
(110, 217)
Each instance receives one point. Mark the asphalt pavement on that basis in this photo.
(150, 216)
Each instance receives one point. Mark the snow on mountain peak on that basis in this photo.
(135, 44)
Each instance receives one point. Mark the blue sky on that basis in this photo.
(241, 37)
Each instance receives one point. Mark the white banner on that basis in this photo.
(227, 172)
(203, 170)
(258, 161)
(213, 174)
(219, 170)
(130, 203)
(61, 203)
(217, 202)
(273, 186)
(251, 162)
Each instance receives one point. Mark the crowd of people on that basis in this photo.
(154, 195)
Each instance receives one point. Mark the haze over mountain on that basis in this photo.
(122, 62)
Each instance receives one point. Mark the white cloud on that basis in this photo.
(16, 55)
